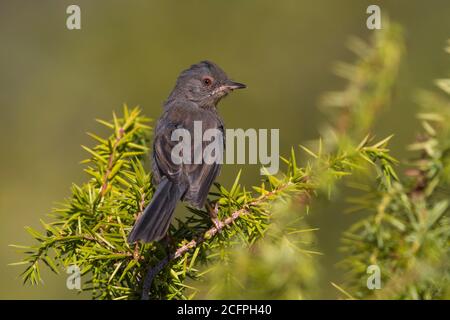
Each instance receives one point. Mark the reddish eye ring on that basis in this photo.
(207, 81)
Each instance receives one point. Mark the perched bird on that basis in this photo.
(194, 98)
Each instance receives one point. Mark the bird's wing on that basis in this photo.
(197, 177)
(162, 150)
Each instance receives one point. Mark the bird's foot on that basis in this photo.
(213, 213)
(168, 242)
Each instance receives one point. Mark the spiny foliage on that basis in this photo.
(369, 89)
(90, 230)
(283, 264)
(407, 233)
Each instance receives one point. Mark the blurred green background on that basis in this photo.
(54, 82)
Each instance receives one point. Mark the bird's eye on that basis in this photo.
(207, 81)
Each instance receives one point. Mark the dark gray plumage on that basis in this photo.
(194, 98)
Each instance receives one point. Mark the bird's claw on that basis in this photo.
(213, 213)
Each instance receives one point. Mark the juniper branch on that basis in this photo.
(408, 229)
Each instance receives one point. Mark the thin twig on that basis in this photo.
(153, 271)
(111, 162)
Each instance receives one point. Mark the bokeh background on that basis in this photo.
(55, 82)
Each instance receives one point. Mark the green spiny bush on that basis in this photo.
(265, 245)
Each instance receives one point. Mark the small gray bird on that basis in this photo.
(194, 98)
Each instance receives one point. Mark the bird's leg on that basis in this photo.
(136, 255)
(213, 211)
(168, 242)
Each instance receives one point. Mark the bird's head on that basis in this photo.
(204, 83)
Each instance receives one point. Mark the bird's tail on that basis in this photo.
(153, 224)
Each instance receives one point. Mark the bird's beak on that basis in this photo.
(227, 87)
(235, 85)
